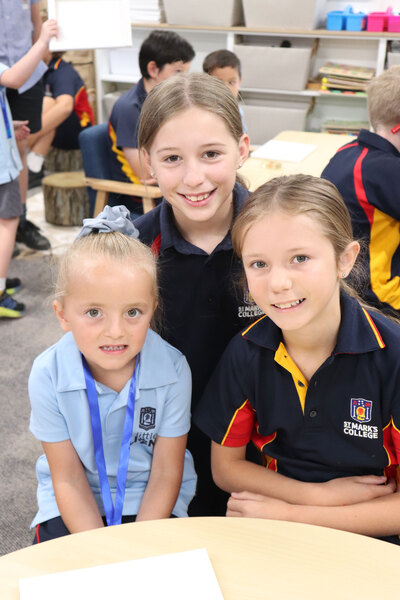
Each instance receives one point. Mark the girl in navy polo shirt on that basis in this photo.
(192, 140)
(111, 400)
(314, 383)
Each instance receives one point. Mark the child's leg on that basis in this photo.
(39, 143)
(10, 209)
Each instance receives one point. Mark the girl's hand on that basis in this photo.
(247, 504)
(49, 30)
(352, 490)
(21, 130)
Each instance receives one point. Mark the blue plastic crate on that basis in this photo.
(338, 20)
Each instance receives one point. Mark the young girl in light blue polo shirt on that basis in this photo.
(111, 400)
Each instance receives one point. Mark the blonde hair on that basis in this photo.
(180, 92)
(383, 98)
(114, 246)
(295, 195)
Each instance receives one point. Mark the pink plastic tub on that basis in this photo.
(394, 23)
(378, 21)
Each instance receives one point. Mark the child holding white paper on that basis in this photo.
(111, 400)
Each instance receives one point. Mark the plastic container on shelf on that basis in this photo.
(378, 21)
(208, 13)
(284, 14)
(346, 19)
(393, 23)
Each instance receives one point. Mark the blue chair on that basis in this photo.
(96, 156)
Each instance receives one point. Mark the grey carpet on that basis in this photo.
(21, 341)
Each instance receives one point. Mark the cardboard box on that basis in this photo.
(265, 122)
(269, 67)
(208, 13)
(284, 14)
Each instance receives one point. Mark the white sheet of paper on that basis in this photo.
(86, 24)
(285, 151)
(179, 576)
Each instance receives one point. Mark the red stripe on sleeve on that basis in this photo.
(156, 245)
(359, 187)
(241, 427)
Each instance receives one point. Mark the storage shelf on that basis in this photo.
(242, 30)
(301, 93)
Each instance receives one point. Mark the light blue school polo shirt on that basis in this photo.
(15, 29)
(60, 411)
(10, 162)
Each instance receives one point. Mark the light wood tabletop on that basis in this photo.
(257, 171)
(253, 559)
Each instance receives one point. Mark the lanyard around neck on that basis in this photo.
(113, 512)
(5, 115)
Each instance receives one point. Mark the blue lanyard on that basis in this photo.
(5, 115)
(113, 512)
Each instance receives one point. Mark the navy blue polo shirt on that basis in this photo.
(123, 129)
(61, 78)
(367, 174)
(202, 309)
(344, 421)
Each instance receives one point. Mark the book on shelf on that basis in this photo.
(340, 126)
(345, 77)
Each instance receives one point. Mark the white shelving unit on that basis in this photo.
(363, 48)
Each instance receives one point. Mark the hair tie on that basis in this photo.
(112, 218)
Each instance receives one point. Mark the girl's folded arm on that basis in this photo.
(378, 517)
(75, 500)
(165, 478)
(233, 473)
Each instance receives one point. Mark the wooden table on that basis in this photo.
(254, 559)
(257, 170)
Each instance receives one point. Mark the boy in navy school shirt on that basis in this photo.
(367, 174)
(162, 54)
(10, 196)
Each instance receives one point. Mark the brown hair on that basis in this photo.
(113, 246)
(383, 98)
(180, 92)
(219, 59)
(295, 195)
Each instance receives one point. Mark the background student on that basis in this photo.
(314, 382)
(367, 174)
(20, 25)
(225, 66)
(10, 166)
(162, 54)
(66, 112)
(137, 387)
(193, 143)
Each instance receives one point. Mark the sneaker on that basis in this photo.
(12, 285)
(29, 234)
(10, 308)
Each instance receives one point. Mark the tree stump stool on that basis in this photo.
(66, 201)
(63, 160)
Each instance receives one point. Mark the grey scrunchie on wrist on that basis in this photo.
(112, 218)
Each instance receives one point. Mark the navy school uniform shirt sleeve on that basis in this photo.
(344, 421)
(61, 78)
(125, 115)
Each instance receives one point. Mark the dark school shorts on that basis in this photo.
(10, 200)
(27, 106)
(55, 528)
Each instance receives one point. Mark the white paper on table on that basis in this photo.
(85, 24)
(285, 151)
(179, 576)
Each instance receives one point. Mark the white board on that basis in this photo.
(90, 24)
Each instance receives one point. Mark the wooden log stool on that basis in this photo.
(66, 201)
(63, 160)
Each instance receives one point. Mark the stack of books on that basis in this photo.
(146, 11)
(345, 78)
(349, 127)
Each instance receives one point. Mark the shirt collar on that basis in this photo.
(358, 332)
(70, 376)
(171, 237)
(369, 138)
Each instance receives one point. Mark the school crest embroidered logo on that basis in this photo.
(147, 418)
(360, 410)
